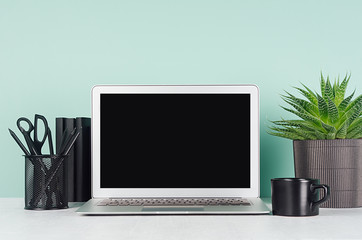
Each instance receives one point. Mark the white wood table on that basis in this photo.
(17, 223)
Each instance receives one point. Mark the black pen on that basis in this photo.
(65, 140)
(17, 140)
(70, 143)
(50, 142)
(29, 142)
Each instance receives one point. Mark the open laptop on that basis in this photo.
(175, 149)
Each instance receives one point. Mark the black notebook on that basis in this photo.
(78, 163)
(83, 161)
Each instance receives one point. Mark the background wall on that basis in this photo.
(53, 52)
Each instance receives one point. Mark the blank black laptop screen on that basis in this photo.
(175, 140)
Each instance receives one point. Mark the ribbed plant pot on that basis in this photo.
(337, 163)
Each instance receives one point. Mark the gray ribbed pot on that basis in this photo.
(337, 163)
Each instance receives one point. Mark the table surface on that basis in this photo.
(17, 223)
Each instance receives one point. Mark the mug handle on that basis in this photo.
(326, 190)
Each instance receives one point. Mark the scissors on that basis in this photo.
(35, 146)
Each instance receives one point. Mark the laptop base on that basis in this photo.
(257, 206)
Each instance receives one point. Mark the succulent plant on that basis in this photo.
(328, 115)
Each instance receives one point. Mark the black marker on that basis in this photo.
(17, 140)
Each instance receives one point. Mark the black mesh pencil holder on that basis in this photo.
(45, 182)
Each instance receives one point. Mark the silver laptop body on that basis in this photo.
(175, 149)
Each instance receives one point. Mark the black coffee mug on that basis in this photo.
(297, 196)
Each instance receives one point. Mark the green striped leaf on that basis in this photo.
(333, 114)
(335, 87)
(328, 91)
(307, 117)
(355, 133)
(357, 101)
(291, 136)
(309, 94)
(305, 105)
(352, 111)
(296, 133)
(342, 106)
(323, 108)
(357, 136)
(342, 132)
(295, 106)
(296, 123)
(331, 136)
(329, 128)
(355, 124)
(323, 85)
(305, 134)
(340, 90)
(320, 135)
(287, 132)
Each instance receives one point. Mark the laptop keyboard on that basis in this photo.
(174, 202)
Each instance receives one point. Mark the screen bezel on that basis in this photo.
(253, 191)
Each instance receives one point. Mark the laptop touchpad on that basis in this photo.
(172, 208)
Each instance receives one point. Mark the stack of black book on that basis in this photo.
(78, 165)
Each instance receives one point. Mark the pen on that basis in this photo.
(70, 143)
(29, 141)
(17, 140)
(50, 142)
(65, 140)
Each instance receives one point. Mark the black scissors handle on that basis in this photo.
(35, 145)
(28, 122)
(39, 143)
(26, 132)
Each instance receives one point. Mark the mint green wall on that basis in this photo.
(53, 52)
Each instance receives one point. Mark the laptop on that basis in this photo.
(175, 149)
